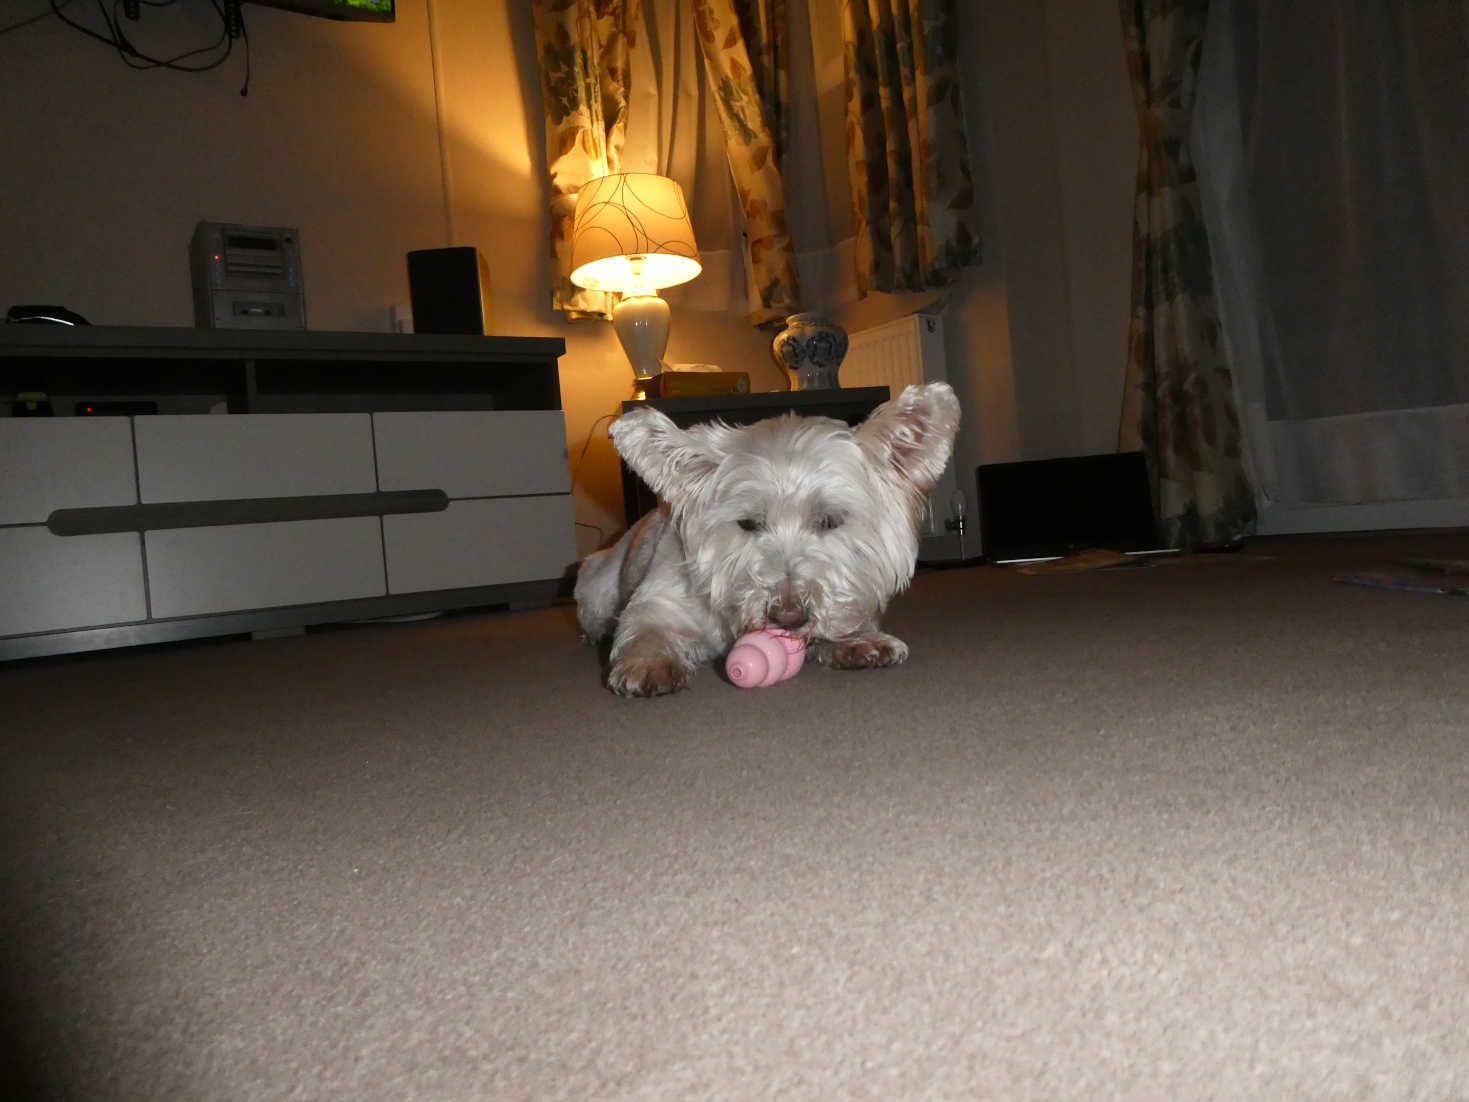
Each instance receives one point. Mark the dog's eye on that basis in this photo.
(827, 521)
(751, 524)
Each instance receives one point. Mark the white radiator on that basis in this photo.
(895, 355)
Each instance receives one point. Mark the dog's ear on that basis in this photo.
(913, 433)
(674, 462)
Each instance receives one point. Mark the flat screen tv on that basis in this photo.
(376, 11)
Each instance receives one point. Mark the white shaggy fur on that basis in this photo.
(796, 522)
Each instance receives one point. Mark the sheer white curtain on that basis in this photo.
(1334, 158)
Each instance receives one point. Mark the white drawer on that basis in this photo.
(58, 582)
(223, 457)
(473, 453)
(491, 541)
(192, 571)
(64, 463)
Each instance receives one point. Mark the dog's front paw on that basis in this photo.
(648, 676)
(861, 652)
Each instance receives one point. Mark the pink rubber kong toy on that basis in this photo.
(764, 657)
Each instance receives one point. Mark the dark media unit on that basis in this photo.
(275, 371)
(196, 482)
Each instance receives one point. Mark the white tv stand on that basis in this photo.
(287, 479)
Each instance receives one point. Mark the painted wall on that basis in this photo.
(353, 134)
(109, 168)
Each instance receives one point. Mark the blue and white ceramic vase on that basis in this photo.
(811, 347)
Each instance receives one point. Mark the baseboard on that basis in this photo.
(1389, 516)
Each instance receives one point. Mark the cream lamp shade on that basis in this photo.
(632, 231)
(632, 235)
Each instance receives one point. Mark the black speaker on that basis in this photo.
(450, 289)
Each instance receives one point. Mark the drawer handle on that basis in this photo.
(250, 510)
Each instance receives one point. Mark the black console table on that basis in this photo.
(166, 370)
(850, 404)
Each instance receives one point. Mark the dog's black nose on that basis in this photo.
(787, 613)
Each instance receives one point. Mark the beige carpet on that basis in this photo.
(1190, 831)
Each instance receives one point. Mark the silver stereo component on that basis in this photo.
(247, 277)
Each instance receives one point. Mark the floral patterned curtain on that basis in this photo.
(745, 53)
(912, 198)
(583, 47)
(1179, 402)
(763, 25)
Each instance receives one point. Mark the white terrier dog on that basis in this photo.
(800, 523)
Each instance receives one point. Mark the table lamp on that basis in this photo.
(632, 235)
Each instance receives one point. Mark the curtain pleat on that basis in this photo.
(583, 47)
(913, 208)
(1179, 404)
(752, 142)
